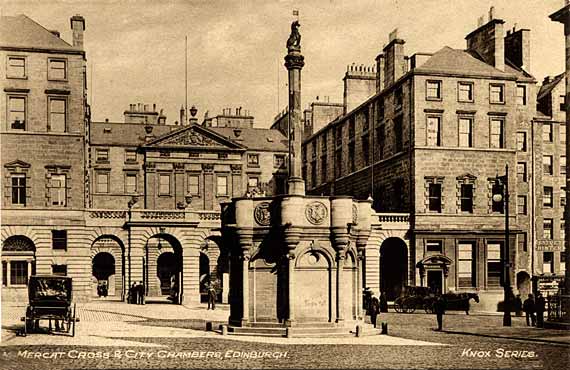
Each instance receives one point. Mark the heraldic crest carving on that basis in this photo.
(262, 214)
(316, 212)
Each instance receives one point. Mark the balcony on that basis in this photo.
(150, 217)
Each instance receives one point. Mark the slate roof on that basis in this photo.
(448, 60)
(22, 31)
(124, 134)
(262, 139)
(545, 89)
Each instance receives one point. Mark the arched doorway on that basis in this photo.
(523, 284)
(205, 277)
(18, 264)
(104, 271)
(393, 267)
(162, 268)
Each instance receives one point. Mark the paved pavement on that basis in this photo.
(113, 335)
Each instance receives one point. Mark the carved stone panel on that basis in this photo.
(316, 212)
(262, 214)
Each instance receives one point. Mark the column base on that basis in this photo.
(296, 186)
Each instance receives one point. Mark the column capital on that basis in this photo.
(294, 60)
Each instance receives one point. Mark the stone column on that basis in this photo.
(245, 257)
(292, 236)
(340, 257)
(359, 278)
(8, 274)
(294, 62)
(563, 16)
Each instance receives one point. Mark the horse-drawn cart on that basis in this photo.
(418, 297)
(50, 298)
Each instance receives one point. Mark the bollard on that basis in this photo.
(358, 331)
(384, 328)
(288, 333)
(208, 326)
(224, 330)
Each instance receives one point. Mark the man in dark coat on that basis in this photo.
(383, 302)
(529, 308)
(133, 296)
(439, 308)
(374, 309)
(211, 296)
(540, 307)
(140, 293)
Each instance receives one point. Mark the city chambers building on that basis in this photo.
(431, 135)
(115, 203)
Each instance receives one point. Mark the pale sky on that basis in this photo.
(135, 48)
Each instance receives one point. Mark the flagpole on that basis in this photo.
(185, 80)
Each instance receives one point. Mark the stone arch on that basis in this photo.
(8, 231)
(523, 284)
(18, 264)
(115, 283)
(110, 232)
(162, 271)
(313, 301)
(350, 284)
(394, 257)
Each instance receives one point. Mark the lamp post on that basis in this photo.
(497, 198)
(130, 205)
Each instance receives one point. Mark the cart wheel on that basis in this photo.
(398, 305)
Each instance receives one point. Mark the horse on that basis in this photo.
(459, 301)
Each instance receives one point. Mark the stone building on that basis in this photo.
(431, 142)
(42, 152)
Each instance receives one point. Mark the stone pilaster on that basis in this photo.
(292, 236)
(209, 188)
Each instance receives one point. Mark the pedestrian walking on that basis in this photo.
(374, 309)
(140, 293)
(529, 309)
(211, 296)
(540, 307)
(518, 305)
(383, 302)
(439, 308)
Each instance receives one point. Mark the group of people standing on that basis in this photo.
(136, 293)
(534, 310)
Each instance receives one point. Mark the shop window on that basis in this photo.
(466, 265)
(494, 265)
(59, 239)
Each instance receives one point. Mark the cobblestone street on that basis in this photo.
(159, 336)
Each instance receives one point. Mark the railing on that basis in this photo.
(557, 305)
(155, 215)
(393, 217)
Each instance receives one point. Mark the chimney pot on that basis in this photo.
(77, 28)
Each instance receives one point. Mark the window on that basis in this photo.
(467, 198)
(497, 133)
(16, 67)
(562, 133)
(102, 182)
(102, 155)
(59, 270)
(351, 159)
(314, 173)
(17, 112)
(193, 184)
(547, 197)
(338, 136)
(278, 160)
(57, 114)
(435, 197)
(521, 205)
(59, 239)
(433, 90)
(548, 262)
(465, 91)
(433, 131)
(252, 183)
(314, 149)
(398, 132)
(381, 136)
(496, 94)
(323, 169)
(466, 264)
(381, 109)
(365, 150)
(562, 103)
(522, 242)
(563, 165)
(398, 98)
(131, 183)
(547, 132)
(338, 163)
(253, 160)
(494, 265)
(366, 120)
(521, 141)
(547, 228)
(58, 190)
(164, 184)
(497, 207)
(521, 95)
(547, 165)
(130, 155)
(18, 272)
(521, 172)
(19, 189)
(351, 127)
(465, 132)
(434, 246)
(324, 143)
(222, 185)
(57, 69)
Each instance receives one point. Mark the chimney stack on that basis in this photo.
(395, 61)
(517, 48)
(77, 27)
(487, 41)
(182, 116)
(379, 72)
